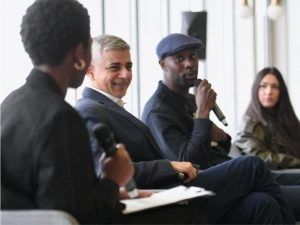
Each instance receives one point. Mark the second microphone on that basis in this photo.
(106, 140)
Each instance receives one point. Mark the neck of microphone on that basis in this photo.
(105, 139)
(217, 111)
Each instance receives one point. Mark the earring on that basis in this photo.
(80, 65)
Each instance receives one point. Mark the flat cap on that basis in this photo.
(174, 43)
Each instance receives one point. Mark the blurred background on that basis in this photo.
(241, 38)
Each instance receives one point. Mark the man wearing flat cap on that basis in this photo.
(178, 120)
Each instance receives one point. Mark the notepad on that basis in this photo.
(165, 197)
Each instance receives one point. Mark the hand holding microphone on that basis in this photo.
(119, 167)
(207, 98)
(186, 170)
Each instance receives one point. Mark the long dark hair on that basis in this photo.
(281, 118)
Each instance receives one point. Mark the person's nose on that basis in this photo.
(269, 90)
(125, 73)
(190, 63)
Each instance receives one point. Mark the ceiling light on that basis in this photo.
(275, 10)
(246, 10)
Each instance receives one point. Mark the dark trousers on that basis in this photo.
(173, 214)
(246, 193)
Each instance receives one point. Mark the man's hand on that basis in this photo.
(205, 99)
(187, 168)
(117, 168)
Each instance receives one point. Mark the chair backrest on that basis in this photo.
(37, 217)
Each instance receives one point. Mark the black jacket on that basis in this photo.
(45, 158)
(179, 135)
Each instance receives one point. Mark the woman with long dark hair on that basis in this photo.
(270, 128)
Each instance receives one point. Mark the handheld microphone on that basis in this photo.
(182, 176)
(106, 140)
(219, 114)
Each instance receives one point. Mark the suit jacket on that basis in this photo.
(151, 170)
(180, 136)
(45, 158)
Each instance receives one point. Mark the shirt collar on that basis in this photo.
(119, 101)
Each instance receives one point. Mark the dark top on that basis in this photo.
(45, 158)
(180, 136)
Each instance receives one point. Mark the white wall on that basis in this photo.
(14, 62)
(292, 55)
(236, 48)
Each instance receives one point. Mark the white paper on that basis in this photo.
(165, 197)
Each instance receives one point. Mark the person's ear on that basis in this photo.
(80, 59)
(162, 64)
(90, 72)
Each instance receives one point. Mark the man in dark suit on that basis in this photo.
(243, 186)
(46, 161)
